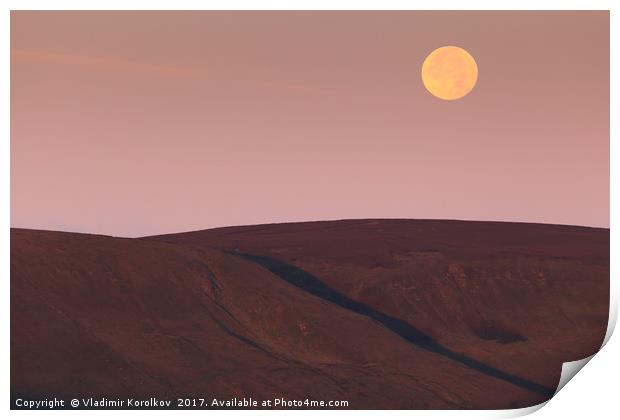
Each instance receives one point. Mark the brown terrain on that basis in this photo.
(386, 314)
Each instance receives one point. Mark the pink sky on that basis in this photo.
(136, 123)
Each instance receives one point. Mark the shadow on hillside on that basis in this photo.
(311, 284)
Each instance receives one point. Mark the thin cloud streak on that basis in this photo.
(136, 67)
(105, 63)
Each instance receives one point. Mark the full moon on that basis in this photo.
(449, 73)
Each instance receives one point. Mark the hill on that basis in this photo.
(381, 313)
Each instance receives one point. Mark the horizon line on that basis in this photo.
(316, 221)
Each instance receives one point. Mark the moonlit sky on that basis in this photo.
(136, 123)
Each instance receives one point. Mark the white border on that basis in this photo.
(309, 5)
(592, 394)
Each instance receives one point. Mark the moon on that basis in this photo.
(449, 73)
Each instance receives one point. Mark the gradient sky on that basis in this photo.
(136, 123)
